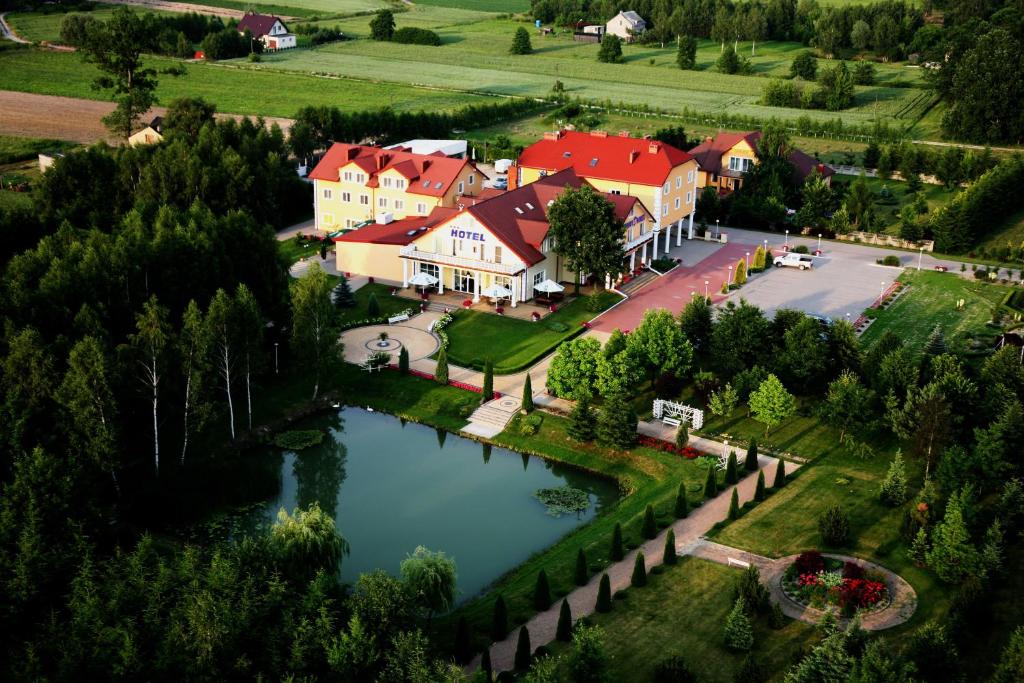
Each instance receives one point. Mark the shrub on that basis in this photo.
(600, 300)
(805, 66)
(403, 361)
(809, 562)
(801, 249)
(298, 440)
(650, 525)
(834, 526)
(682, 506)
(617, 551)
(738, 634)
(890, 260)
(441, 367)
(711, 483)
(731, 475)
(673, 669)
(541, 592)
(776, 619)
(522, 661)
(759, 494)
(734, 505)
(521, 42)
(682, 434)
(780, 475)
(588, 661)
(372, 306)
(750, 589)
(564, 630)
(582, 574)
(639, 577)
(527, 402)
(893, 491)
(604, 595)
(750, 463)
(412, 35)
(670, 548)
(499, 621)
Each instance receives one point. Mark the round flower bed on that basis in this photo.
(817, 581)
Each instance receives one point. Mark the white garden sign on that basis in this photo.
(674, 413)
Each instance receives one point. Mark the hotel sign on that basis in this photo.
(468, 235)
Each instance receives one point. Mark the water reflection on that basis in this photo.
(320, 471)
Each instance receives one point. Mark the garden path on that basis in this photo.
(904, 598)
(688, 531)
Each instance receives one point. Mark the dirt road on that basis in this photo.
(169, 6)
(68, 118)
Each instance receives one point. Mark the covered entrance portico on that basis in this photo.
(464, 275)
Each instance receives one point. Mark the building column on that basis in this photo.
(405, 274)
(440, 279)
(690, 230)
(679, 233)
(632, 261)
(514, 285)
(643, 256)
(476, 281)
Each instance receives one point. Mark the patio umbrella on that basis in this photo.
(549, 286)
(422, 279)
(497, 292)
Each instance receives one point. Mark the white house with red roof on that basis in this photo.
(267, 29)
(356, 184)
(500, 239)
(662, 177)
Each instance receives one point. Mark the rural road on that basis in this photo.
(69, 118)
(170, 6)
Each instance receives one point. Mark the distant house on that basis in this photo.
(585, 32)
(456, 149)
(626, 25)
(150, 135)
(267, 29)
(48, 159)
(725, 158)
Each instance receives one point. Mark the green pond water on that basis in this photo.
(392, 486)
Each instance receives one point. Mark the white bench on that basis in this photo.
(430, 327)
(398, 319)
(675, 422)
(733, 562)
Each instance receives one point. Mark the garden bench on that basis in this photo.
(398, 319)
(367, 366)
(675, 422)
(733, 562)
(431, 326)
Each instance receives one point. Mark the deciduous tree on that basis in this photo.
(586, 232)
(150, 342)
(771, 403)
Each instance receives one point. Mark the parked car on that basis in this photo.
(500, 183)
(801, 261)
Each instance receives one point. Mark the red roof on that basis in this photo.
(258, 25)
(427, 174)
(519, 217)
(709, 155)
(400, 232)
(607, 157)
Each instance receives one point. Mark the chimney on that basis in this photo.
(821, 169)
(382, 161)
(426, 164)
(385, 217)
(633, 156)
(654, 147)
(709, 139)
(599, 133)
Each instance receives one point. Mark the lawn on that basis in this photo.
(388, 304)
(931, 300)
(512, 344)
(887, 209)
(681, 612)
(232, 89)
(13, 149)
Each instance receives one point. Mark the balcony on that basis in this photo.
(637, 241)
(411, 252)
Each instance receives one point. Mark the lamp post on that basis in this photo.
(728, 282)
(748, 260)
(787, 240)
(819, 241)
(920, 258)
(718, 230)
(706, 295)
(725, 449)
(275, 358)
(881, 293)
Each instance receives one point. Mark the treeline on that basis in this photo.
(979, 208)
(316, 128)
(174, 35)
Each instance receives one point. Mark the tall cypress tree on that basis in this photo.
(564, 630)
(488, 389)
(541, 592)
(485, 666)
(617, 553)
(582, 574)
(639, 578)
(527, 404)
(780, 475)
(711, 483)
(751, 462)
(463, 650)
(759, 491)
(650, 525)
(403, 361)
(734, 505)
(441, 371)
(670, 548)
(499, 621)
(523, 650)
(604, 595)
(682, 506)
(731, 475)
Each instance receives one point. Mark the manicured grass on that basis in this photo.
(512, 344)
(232, 89)
(389, 305)
(887, 210)
(14, 149)
(932, 300)
(682, 612)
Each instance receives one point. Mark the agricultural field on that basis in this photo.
(233, 90)
(482, 5)
(45, 26)
(932, 300)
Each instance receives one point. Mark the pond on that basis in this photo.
(392, 486)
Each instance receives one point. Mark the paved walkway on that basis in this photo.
(583, 600)
(902, 607)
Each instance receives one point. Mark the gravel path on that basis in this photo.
(582, 600)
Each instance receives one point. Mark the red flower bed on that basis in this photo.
(687, 452)
(861, 592)
(852, 570)
(454, 383)
(810, 562)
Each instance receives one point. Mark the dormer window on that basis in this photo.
(519, 211)
(529, 206)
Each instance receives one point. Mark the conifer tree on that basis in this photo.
(759, 494)
(734, 505)
(372, 306)
(403, 361)
(936, 344)
(499, 621)
(919, 548)
(521, 42)
(751, 461)
(683, 434)
(639, 577)
(670, 548)
(541, 592)
(617, 552)
(342, 294)
(604, 595)
(485, 666)
(740, 277)
(731, 475)
(616, 425)
(463, 650)
(582, 421)
(682, 506)
(738, 633)
(441, 370)
(649, 529)
(523, 650)
(564, 630)
(582, 574)
(527, 403)
(488, 389)
(780, 475)
(711, 484)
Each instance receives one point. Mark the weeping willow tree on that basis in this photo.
(305, 542)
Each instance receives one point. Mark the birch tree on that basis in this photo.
(192, 349)
(315, 323)
(250, 332)
(150, 342)
(221, 339)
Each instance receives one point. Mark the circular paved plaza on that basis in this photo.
(360, 342)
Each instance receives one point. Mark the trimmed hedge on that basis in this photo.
(411, 35)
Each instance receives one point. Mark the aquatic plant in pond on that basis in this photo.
(299, 439)
(564, 500)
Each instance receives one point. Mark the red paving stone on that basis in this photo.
(674, 290)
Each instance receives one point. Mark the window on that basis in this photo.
(327, 193)
(431, 269)
(348, 223)
(689, 177)
(679, 181)
(347, 176)
(464, 281)
(616, 191)
(664, 209)
(461, 187)
(421, 208)
(400, 183)
(360, 178)
(387, 182)
(677, 203)
(689, 198)
(382, 202)
(740, 164)
(539, 277)
(399, 204)
(346, 197)
(472, 179)
(364, 199)
(497, 254)
(665, 189)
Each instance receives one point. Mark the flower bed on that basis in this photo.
(687, 452)
(821, 582)
(382, 320)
